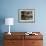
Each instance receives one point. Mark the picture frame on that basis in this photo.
(26, 15)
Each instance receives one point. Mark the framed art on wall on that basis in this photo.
(26, 15)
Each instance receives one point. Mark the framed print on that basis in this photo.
(26, 15)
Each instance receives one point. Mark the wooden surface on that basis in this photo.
(20, 39)
(33, 43)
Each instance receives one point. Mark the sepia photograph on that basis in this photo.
(26, 15)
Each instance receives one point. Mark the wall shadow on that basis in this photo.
(2, 21)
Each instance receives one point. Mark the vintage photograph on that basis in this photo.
(26, 15)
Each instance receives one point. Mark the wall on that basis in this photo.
(9, 8)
